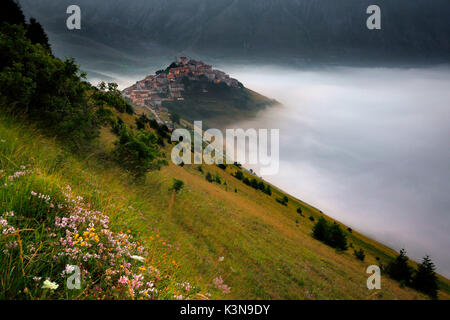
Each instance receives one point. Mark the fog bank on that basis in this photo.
(368, 147)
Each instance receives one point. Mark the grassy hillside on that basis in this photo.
(87, 184)
(204, 234)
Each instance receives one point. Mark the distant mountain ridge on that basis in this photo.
(124, 33)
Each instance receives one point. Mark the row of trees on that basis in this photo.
(257, 185)
(423, 279)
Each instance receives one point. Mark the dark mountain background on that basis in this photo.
(117, 35)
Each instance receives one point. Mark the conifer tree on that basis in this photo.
(425, 279)
(399, 269)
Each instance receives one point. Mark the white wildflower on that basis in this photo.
(138, 258)
(50, 285)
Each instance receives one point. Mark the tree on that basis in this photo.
(12, 13)
(209, 177)
(177, 185)
(425, 279)
(399, 269)
(141, 121)
(330, 235)
(320, 229)
(299, 211)
(138, 153)
(261, 186)
(360, 255)
(239, 175)
(36, 34)
(337, 238)
(268, 190)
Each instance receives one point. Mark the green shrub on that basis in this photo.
(49, 91)
(331, 235)
(359, 254)
(209, 177)
(268, 190)
(138, 153)
(281, 201)
(239, 175)
(177, 185)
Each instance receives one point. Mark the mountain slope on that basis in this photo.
(266, 254)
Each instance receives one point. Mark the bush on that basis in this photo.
(238, 175)
(425, 279)
(209, 177)
(311, 218)
(320, 229)
(281, 201)
(177, 185)
(268, 190)
(360, 255)
(299, 211)
(331, 235)
(137, 153)
(399, 269)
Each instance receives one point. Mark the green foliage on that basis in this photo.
(320, 229)
(359, 254)
(299, 211)
(425, 279)
(268, 190)
(239, 175)
(12, 13)
(284, 201)
(109, 96)
(48, 90)
(36, 34)
(209, 177)
(254, 183)
(177, 185)
(399, 269)
(141, 121)
(138, 153)
(331, 235)
(217, 179)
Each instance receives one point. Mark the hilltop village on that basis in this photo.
(169, 84)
